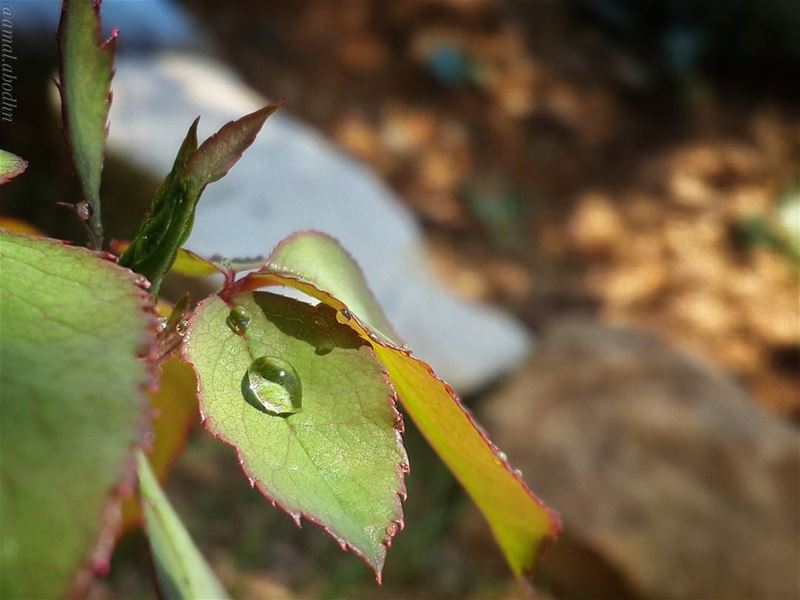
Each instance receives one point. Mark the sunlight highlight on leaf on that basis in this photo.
(309, 410)
(519, 520)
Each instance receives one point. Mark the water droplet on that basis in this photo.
(273, 386)
(324, 342)
(343, 316)
(502, 455)
(517, 472)
(238, 319)
(181, 327)
(252, 481)
(162, 323)
(391, 531)
(84, 210)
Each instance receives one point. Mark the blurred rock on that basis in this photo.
(293, 179)
(672, 483)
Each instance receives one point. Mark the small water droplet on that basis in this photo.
(238, 319)
(252, 481)
(162, 323)
(502, 455)
(374, 337)
(273, 386)
(343, 316)
(181, 327)
(324, 341)
(517, 472)
(84, 210)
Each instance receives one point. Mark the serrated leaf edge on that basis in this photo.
(402, 469)
(96, 562)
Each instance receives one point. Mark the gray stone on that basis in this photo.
(292, 179)
(671, 481)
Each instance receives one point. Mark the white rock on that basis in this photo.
(292, 179)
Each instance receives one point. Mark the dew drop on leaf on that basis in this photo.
(273, 386)
(238, 319)
(343, 316)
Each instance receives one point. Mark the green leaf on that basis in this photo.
(339, 460)
(215, 157)
(85, 84)
(169, 224)
(317, 265)
(72, 405)
(10, 166)
(181, 570)
(321, 259)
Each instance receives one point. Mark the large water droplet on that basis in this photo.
(238, 319)
(273, 386)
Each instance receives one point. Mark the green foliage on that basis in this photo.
(305, 394)
(182, 572)
(85, 84)
(319, 258)
(339, 460)
(171, 217)
(317, 265)
(10, 166)
(71, 406)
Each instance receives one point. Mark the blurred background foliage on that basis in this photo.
(637, 164)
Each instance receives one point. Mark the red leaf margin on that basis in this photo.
(97, 561)
(22, 165)
(403, 468)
